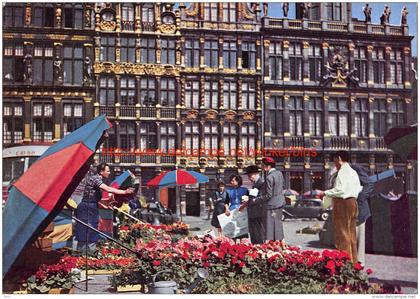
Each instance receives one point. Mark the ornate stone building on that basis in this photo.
(210, 86)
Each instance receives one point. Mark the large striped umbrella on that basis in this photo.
(41, 193)
(177, 178)
(403, 141)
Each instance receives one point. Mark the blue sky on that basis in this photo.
(275, 10)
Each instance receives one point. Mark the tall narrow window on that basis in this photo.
(13, 15)
(333, 11)
(248, 138)
(210, 11)
(338, 116)
(315, 116)
(295, 61)
(127, 17)
(229, 12)
(73, 65)
(396, 67)
(148, 91)
(229, 95)
(73, 16)
(211, 137)
(361, 117)
(72, 115)
(248, 95)
(167, 137)
(43, 15)
(211, 53)
(107, 48)
(398, 114)
(295, 105)
(211, 94)
(192, 53)
(168, 51)
(168, 92)
(229, 54)
(360, 62)
(43, 65)
(148, 133)
(107, 91)
(248, 55)
(12, 121)
(230, 134)
(276, 115)
(192, 93)
(379, 117)
(275, 61)
(315, 62)
(192, 136)
(128, 136)
(128, 49)
(128, 91)
(148, 50)
(378, 65)
(13, 66)
(147, 17)
(42, 120)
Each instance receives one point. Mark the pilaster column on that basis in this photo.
(286, 61)
(388, 66)
(369, 65)
(58, 116)
(407, 67)
(27, 112)
(266, 50)
(305, 46)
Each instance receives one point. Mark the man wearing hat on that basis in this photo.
(274, 200)
(255, 207)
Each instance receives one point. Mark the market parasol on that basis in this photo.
(403, 141)
(41, 193)
(177, 177)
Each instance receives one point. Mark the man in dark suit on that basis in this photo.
(364, 210)
(274, 200)
(255, 208)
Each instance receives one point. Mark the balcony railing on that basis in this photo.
(340, 142)
(107, 110)
(106, 158)
(297, 142)
(127, 158)
(148, 159)
(148, 26)
(380, 143)
(127, 111)
(170, 159)
(167, 113)
(359, 27)
(127, 25)
(148, 112)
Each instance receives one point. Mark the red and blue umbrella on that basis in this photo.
(41, 193)
(177, 178)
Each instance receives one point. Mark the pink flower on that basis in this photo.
(156, 263)
(369, 271)
(358, 266)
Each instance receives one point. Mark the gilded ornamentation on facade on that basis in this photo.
(192, 11)
(211, 114)
(209, 25)
(28, 15)
(107, 25)
(338, 73)
(247, 14)
(167, 28)
(192, 114)
(248, 115)
(230, 115)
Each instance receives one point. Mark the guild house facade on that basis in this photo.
(209, 86)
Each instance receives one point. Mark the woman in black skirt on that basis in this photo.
(222, 198)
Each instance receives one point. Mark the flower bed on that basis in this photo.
(59, 277)
(247, 268)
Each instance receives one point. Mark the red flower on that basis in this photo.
(241, 264)
(369, 271)
(156, 263)
(206, 264)
(282, 269)
(358, 266)
(330, 266)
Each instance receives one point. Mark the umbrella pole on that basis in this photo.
(86, 250)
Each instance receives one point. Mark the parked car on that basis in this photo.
(306, 208)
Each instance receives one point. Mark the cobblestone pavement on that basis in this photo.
(389, 269)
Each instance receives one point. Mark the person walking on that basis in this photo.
(235, 194)
(255, 208)
(364, 210)
(220, 201)
(274, 200)
(346, 189)
(87, 210)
